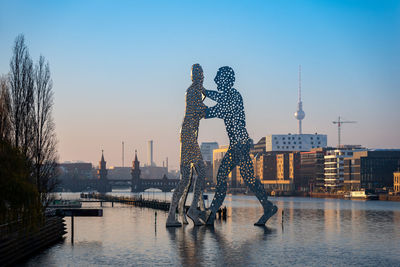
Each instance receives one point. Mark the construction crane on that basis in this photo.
(339, 123)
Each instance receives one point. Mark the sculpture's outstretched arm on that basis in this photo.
(212, 112)
(213, 95)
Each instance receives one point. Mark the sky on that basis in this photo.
(121, 68)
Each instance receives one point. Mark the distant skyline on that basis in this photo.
(120, 69)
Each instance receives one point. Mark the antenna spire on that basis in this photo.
(299, 83)
(299, 114)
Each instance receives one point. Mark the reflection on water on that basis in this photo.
(304, 231)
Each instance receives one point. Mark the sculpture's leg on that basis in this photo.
(183, 183)
(227, 165)
(201, 200)
(182, 202)
(247, 173)
(198, 187)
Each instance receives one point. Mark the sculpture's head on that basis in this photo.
(197, 73)
(225, 78)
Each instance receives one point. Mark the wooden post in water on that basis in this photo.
(72, 229)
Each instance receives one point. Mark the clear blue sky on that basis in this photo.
(121, 68)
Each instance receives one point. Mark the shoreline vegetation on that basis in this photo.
(28, 156)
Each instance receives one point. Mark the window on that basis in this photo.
(277, 146)
(319, 143)
(294, 142)
(318, 138)
(292, 146)
(312, 143)
(299, 138)
(288, 143)
(283, 138)
(276, 142)
(300, 142)
(284, 143)
(300, 147)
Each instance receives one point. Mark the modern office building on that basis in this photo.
(259, 147)
(206, 149)
(312, 169)
(282, 163)
(277, 170)
(334, 166)
(295, 142)
(264, 165)
(396, 182)
(371, 169)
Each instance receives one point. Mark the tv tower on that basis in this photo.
(299, 114)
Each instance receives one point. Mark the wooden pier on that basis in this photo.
(132, 200)
(140, 202)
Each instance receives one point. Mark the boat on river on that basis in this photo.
(361, 194)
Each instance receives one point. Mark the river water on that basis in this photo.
(304, 232)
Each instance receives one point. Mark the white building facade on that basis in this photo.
(295, 142)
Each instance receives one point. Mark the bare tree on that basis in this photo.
(45, 152)
(33, 130)
(21, 82)
(5, 123)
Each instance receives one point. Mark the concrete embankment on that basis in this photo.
(384, 197)
(18, 244)
(326, 195)
(389, 198)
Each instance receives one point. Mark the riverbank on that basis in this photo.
(17, 244)
(382, 197)
(309, 231)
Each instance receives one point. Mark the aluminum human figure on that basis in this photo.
(190, 158)
(230, 108)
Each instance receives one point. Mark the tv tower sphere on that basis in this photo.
(299, 114)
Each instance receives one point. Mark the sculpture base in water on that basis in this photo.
(263, 220)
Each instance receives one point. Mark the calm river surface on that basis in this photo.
(311, 232)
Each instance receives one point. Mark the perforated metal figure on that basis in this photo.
(230, 108)
(190, 159)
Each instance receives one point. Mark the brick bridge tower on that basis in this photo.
(102, 182)
(135, 172)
